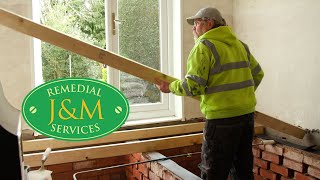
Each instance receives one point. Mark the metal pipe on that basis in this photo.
(128, 164)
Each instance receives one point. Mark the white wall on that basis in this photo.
(16, 56)
(284, 36)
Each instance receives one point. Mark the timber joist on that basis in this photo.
(117, 144)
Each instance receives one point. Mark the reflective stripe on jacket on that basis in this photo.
(223, 72)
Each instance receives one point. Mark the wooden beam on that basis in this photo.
(39, 145)
(46, 34)
(278, 125)
(26, 26)
(118, 136)
(95, 151)
(104, 151)
(259, 129)
(111, 150)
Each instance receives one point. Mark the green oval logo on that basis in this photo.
(75, 109)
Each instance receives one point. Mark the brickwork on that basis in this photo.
(156, 170)
(276, 162)
(188, 162)
(283, 162)
(67, 170)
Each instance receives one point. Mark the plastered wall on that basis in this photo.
(284, 36)
(16, 56)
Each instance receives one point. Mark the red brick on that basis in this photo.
(131, 178)
(167, 175)
(148, 165)
(256, 152)
(115, 177)
(157, 169)
(255, 169)
(281, 170)
(274, 149)
(299, 176)
(257, 141)
(153, 176)
(314, 172)
(268, 174)
(93, 178)
(262, 147)
(271, 157)
(285, 178)
(129, 174)
(113, 170)
(137, 174)
(90, 174)
(129, 168)
(84, 165)
(257, 177)
(293, 154)
(137, 156)
(63, 176)
(123, 176)
(132, 159)
(60, 167)
(143, 169)
(261, 163)
(104, 162)
(311, 159)
(294, 165)
(104, 177)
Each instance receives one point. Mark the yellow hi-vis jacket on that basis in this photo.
(223, 72)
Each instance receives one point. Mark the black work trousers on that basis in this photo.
(227, 144)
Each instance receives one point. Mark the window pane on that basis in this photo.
(139, 40)
(82, 19)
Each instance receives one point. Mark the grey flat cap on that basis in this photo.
(208, 12)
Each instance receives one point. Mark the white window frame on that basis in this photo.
(170, 107)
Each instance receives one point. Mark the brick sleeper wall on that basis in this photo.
(274, 162)
(277, 161)
(66, 171)
(156, 170)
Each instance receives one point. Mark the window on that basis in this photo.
(137, 30)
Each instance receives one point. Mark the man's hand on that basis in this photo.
(162, 85)
(195, 33)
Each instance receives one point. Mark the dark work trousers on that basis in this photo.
(227, 147)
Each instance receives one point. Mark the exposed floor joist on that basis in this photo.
(40, 145)
(28, 27)
(71, 154)
(103, 151)
(278, 125)
(118, 136)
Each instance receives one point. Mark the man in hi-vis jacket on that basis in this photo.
(223, 72)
